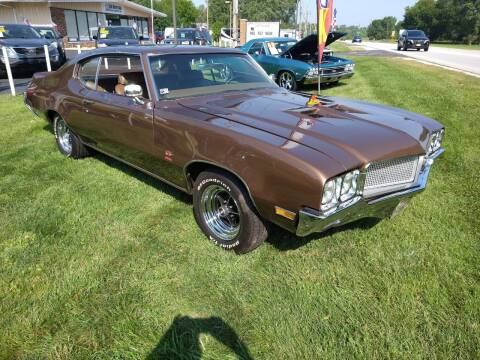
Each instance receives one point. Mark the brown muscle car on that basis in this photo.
(210, 122)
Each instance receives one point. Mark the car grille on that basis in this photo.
(333, 71)
(31, 51)
(390, 175)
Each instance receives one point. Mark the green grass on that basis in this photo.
(457, 46)
(99, 261)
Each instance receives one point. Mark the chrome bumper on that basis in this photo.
(328, 78)
(312, 221)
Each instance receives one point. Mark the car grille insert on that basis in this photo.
(31, 51)
(390, 175)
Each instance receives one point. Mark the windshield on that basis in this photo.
(185, 75)
(123, 33)
(416, 33)
(278, 47)
(18, 32)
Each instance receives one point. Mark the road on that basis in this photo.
(467, 61)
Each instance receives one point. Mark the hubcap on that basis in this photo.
(63, 136)
(286, 81)
(220, 212)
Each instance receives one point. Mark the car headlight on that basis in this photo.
(102, 45)
(435, 142)
(340, 190)
(53, 45)
(349, 67)
(10, 52)
(313, 72)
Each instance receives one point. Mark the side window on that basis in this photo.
(118, 71)
(87, 73)
(257, 49)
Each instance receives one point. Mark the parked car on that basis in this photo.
(413, 39)
(25, 48)
(51, 34)
(211, 123)
(189, 36)
(293, 63)
(159, 37)
(117, 35)
(357, 39)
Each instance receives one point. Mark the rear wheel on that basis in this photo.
(287, 81)
(68, 143)
(225, 213)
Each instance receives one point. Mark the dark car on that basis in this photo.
(117, 35)
(210, 122)
(51, 34)
(413, 39)
(357, 39)
(25, 48)
(190, 36)
(159, 37)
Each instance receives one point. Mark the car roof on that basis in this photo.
(159, 50)
(13, 24)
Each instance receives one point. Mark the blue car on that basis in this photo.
(294, 63)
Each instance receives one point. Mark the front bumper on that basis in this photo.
(313, 221)
(328, 78)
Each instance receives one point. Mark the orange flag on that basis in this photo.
(324, 18)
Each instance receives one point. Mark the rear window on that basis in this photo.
(123, 33)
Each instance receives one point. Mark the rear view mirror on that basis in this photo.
(133, 90)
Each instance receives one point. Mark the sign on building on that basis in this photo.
(256, 30)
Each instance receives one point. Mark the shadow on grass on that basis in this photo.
(283, 240)
(326, 86)
(182, 339)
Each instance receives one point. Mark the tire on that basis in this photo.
(418, 49)
(399, 47)
(68, 143)
(426, 49)
(225, 213)
(405, 47)
(287, 81)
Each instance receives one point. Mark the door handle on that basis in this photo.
(88, 102)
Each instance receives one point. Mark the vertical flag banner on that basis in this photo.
(325, 14)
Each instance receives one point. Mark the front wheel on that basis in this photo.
(287, 81)
(225, 213)
(426, 49)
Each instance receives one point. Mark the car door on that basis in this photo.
(125, 123)
(267, 62)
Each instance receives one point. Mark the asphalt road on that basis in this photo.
(467, 61)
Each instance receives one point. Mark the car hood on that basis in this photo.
(24, 42)
(417, 38)
(309, 44)
(350, 132)
(116, 42)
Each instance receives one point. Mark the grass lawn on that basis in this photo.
(99, 261)
(457, 46)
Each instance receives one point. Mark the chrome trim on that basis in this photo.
(311, 221)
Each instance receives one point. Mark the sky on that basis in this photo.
(358, 12)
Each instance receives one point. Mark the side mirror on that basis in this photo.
(48, 36)
(141, 38)
(95, 37)
(133, 90)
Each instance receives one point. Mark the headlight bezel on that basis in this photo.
(337, 195)
(435, 141)
(11, 54)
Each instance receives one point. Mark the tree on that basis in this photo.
(382, 28)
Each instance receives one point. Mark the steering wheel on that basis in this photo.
(226, 74)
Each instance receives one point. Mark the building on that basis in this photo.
(78, 21)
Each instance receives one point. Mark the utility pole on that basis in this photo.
(208, 26)
(235, 23)
(151, 13)
(174, 16)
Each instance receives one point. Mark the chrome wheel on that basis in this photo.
(286, 80)
(63, 135)
(220, 212)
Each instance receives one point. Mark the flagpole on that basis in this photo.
(319, 55)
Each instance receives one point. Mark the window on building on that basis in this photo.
(71, 22)
(92, 23)
(82, 24)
